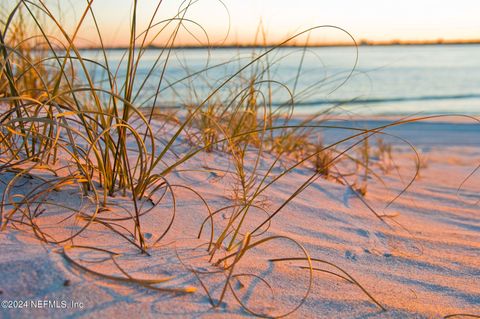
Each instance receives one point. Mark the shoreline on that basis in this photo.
(452, 118)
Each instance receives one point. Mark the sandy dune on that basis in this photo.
(421, 262)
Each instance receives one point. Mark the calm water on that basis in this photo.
(386, 80)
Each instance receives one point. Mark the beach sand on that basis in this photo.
(422, 261)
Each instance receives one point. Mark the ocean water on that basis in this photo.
(430, 79)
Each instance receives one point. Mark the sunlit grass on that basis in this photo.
(61, 129)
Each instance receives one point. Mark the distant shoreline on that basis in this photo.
(361, 43)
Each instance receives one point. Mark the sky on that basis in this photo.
(237, 21)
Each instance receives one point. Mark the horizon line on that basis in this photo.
(295, 45)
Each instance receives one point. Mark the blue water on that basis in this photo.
(435, 79)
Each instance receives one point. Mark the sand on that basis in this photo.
(421, 262)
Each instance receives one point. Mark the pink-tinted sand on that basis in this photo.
(423, 261)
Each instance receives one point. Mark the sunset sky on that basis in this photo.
(374, 20)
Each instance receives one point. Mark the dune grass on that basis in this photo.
(63, 129)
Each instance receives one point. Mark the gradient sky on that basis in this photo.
(375, 20)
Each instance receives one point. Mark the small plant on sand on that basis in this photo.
(291, 143)
(384, 155)
(207, 125)
(323, 160)
(364, 152)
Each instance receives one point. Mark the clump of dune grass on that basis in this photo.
(63, 129)
(384, 154)
(323, 159)
(365, 155)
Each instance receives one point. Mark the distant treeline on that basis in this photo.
(339, 44)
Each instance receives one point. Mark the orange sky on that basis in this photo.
(375, 20)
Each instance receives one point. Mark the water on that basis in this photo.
(386, 80)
